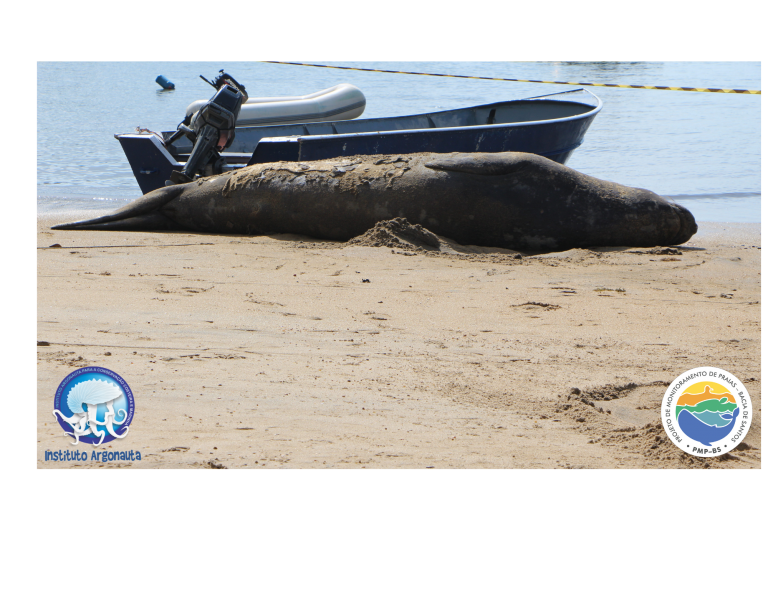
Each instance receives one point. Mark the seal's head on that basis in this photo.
(688, 226)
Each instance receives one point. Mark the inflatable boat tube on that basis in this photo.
(338, 102)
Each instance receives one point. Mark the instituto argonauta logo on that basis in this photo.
(94, 405)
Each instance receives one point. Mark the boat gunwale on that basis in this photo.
(593, 110)
(484, 127)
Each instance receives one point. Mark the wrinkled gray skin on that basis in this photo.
(513, 200)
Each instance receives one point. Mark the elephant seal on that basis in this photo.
(513, 200)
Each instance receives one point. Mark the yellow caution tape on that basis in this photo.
(711, 90)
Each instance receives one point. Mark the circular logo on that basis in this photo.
(94, 405)
(706, 411)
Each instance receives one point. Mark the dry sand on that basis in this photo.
(283, 351)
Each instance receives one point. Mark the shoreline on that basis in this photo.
(273, 352)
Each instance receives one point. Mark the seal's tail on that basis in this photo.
(142, 214)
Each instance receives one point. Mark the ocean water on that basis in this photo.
(701, 149)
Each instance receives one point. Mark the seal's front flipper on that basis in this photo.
(486, 164)
(149, 222)
(141, 214)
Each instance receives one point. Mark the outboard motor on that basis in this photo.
(211, 129)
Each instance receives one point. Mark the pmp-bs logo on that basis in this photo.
(706, 411)
(94, 405)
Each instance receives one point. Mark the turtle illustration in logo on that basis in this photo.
(706, 412)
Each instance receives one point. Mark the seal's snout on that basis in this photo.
(688, 226)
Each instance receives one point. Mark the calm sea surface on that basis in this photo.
(703, 150)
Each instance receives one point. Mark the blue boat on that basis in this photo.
(552, 126)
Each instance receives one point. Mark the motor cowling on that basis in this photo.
(220, 114)
(211, 128)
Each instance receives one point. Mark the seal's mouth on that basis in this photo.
(688, 226)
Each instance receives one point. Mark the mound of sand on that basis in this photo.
(399, 233)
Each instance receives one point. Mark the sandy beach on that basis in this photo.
(283, 351)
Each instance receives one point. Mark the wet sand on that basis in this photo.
(283, 351)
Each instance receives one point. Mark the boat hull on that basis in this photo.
(547, 126)
(555, 141)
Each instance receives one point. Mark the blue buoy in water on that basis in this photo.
(164, 83)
